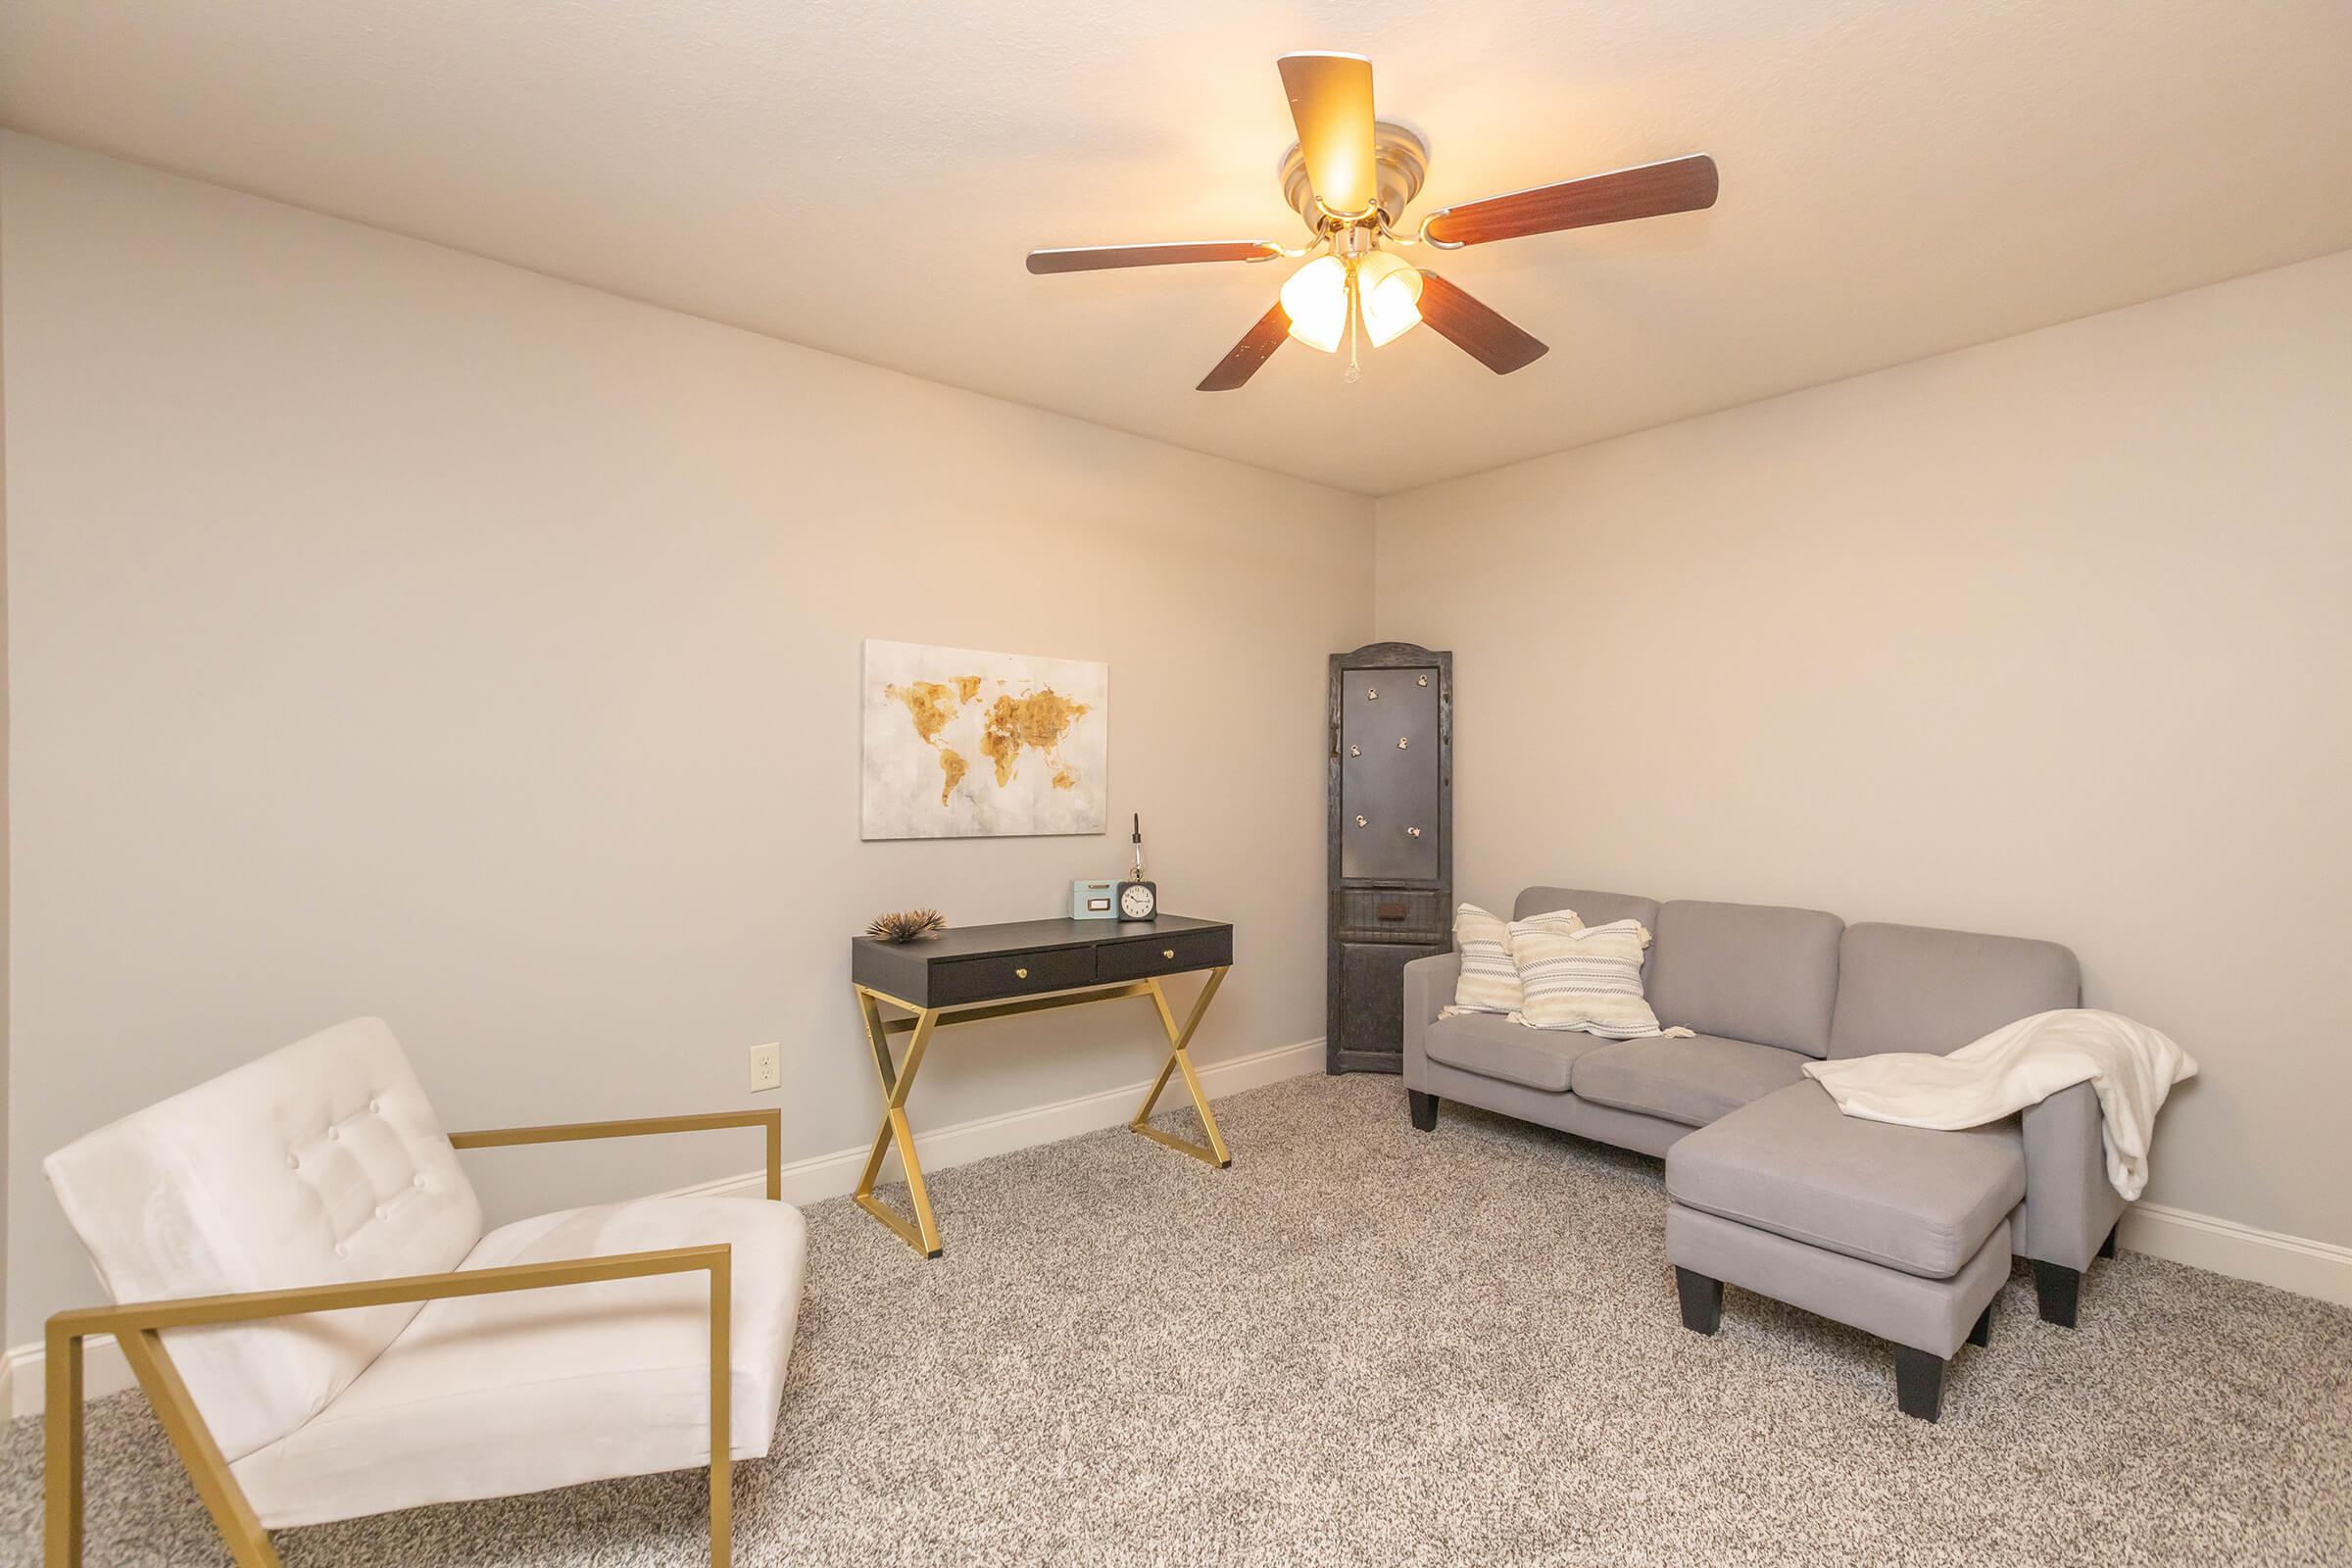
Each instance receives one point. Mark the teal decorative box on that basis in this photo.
(1094, 901)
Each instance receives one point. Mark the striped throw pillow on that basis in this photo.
(1490, 981)
(1588, 979)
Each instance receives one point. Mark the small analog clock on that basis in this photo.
(1138, 900)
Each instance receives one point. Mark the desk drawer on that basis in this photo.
(1015, 974)
(1167, 954)
(1417, 916)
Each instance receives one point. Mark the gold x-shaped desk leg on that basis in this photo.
(897, 1079)
(924, 1234)
(1180, 1060)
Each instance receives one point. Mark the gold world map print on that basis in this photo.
(962, 744)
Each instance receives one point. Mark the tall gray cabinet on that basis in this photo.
(1392, 842)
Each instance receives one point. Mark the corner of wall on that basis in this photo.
(7, 990)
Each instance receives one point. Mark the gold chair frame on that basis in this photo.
(138, 1326)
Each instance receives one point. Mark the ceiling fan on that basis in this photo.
(1351, 176)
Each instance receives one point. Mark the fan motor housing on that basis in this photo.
(1401, 156)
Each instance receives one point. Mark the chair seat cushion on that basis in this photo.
(1908, 1197)
(1494, 1046)
(496, 1396)
(1692, 1081)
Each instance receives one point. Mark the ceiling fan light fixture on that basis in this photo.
(1316, 301)
(1389, 294)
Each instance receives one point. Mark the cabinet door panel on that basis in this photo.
(1371, 1008)
(1389, 772)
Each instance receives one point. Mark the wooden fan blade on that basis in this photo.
(1678, 185)
(1331, 102)
(1486, 337)
(1095, 258)
(1256, 346)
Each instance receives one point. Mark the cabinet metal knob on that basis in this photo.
(1167, 952)
(1355, 750)
(1401, 743)
(1370, 695)
(1423, 681)
(1413, 832)
(1023, 974)
(1360, 821)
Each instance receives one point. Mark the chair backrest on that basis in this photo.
(1915, 988)
(321, 1164)
(1746, 972)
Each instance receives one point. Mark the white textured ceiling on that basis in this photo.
(1898, 178)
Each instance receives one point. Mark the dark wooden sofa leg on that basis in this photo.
(1702, 1300)
(1981, 1334)
(1424, 1108)
(2057, 1289)
(2107, 1247)
(1918, 1382)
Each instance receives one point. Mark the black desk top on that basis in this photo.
(1032, 936)
(977, 963)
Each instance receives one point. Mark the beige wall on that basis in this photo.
(4, 754)
(400, 632)
(396, 631)
(2046, 637)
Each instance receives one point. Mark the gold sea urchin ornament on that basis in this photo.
(906, 925)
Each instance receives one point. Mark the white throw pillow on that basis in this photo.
(1589, 979)
(1490, 981)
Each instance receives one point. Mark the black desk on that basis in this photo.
(994, 971)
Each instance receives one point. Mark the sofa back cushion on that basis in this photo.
(1746, 972)
(1592, 907)
(319, 1164)
(1915, 988)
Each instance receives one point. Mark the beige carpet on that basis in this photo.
(1364, 1344)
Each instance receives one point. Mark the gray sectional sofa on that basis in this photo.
(1903, 1232)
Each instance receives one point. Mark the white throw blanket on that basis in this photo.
(2131, 1065)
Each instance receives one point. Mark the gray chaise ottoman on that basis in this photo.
(1898, 1231)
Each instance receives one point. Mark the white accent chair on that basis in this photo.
(306, 1295)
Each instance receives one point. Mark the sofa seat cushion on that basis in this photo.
(498, 1395)
(1495, 1047)
(1908, 1198)
(1693, 1081)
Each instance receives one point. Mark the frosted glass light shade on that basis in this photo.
(1391, 296)
(1315, 299)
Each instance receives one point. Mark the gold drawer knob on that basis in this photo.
(1020, 974)
(1167, 952)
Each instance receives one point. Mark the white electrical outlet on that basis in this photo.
(768, 1065)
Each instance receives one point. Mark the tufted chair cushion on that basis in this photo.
(319, 1164)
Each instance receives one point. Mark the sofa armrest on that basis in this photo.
(1427, 991)
(2070, 1204)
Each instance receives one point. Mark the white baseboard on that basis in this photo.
(103, 1372)
(2318, 1269)
(23, 1369)
(822, 1176)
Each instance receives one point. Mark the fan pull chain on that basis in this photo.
(1355, 317)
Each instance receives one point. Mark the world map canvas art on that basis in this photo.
(960, 744)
